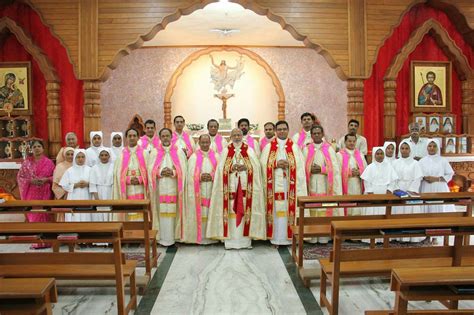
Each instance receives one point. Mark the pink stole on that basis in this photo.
(218, 140)
(179, 174)
(301, 139)
(328, 168)
(123, 171)
(145, 141)
(347, 172)
(264, 143)
(250, 141)
(187, 141)
(197, 187)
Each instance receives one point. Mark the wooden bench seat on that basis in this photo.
(30, 308)
(138, 236)
(313, 230)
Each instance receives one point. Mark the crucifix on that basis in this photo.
(224, 97)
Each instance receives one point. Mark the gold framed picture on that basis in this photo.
(430, 87)
(15, 87)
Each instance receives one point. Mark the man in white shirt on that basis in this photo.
(418, 145)
(361, 142)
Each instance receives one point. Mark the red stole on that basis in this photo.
(228, 193)
(271, 165)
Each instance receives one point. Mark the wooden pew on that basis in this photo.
(82, 266)
(134, 231)
(308, 227)
(381, 261)
(27, 296)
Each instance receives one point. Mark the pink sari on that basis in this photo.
(31, 169)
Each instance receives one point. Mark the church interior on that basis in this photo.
(233, 157)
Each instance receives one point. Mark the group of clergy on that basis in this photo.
(234, 192)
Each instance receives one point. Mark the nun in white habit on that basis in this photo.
(92, 152)
(116, 145)
(101, 181)
(390, 150)
(436, 174)
(379, 177)
(75, 182)
(409, 179)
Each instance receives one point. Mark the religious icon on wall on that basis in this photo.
(434, 124)
(450, 147)
(448, 125)
(430, 86)
(421, 120)
(15, 85)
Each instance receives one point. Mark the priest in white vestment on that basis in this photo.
(303, 137)
(244, 125)
(92, 152)
(150, 139)
(361, 142)
(130, 173)
(323, 174)
(202, 167)
(218, 142)
(269, 131)
(167, 174)
(116, 145)
(284, 181)
(75, 182)
(237, 212)
(352, 163)
(181, 138)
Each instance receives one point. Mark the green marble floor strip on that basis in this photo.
(151, 293)
(307, 298)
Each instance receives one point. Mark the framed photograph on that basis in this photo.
(15, 87)
(421, 120)
(463, 144)
(450, 145)
(430, 87)
(448, 125)
(433, 124)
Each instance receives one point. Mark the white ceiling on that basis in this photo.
(193, 29)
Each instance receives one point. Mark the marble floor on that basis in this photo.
(212, 280)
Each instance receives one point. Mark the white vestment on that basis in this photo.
(281, 187)
(191, 224)
(214, 144)
(167, 194)
(72, 176)
(215, 225)
(354, 183)
(361, 144)
(307, 138)
(252, 143)
(178, 140)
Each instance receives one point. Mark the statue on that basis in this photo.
(222, 76)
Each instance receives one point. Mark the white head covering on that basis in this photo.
(394, 156)
(68, 134)
(103, 173)
(406, 141)
(96, 133)
(379, 173)
(112, 135)
(438, 144)
(76, 152)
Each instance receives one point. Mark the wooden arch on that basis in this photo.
(449, 47)
(194, 56)
(251, 5)
(53, 106)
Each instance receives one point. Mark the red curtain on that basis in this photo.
(427, 50)
(71, 94)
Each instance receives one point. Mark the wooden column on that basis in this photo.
(53, 108)
(389, 108)
(167, 114)
(357, 38)
(355, 101)
(88, 39)
(281, 110)
(468, 106)
(92, 109)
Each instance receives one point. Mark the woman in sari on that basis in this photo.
(35, 178)
(61, 168)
